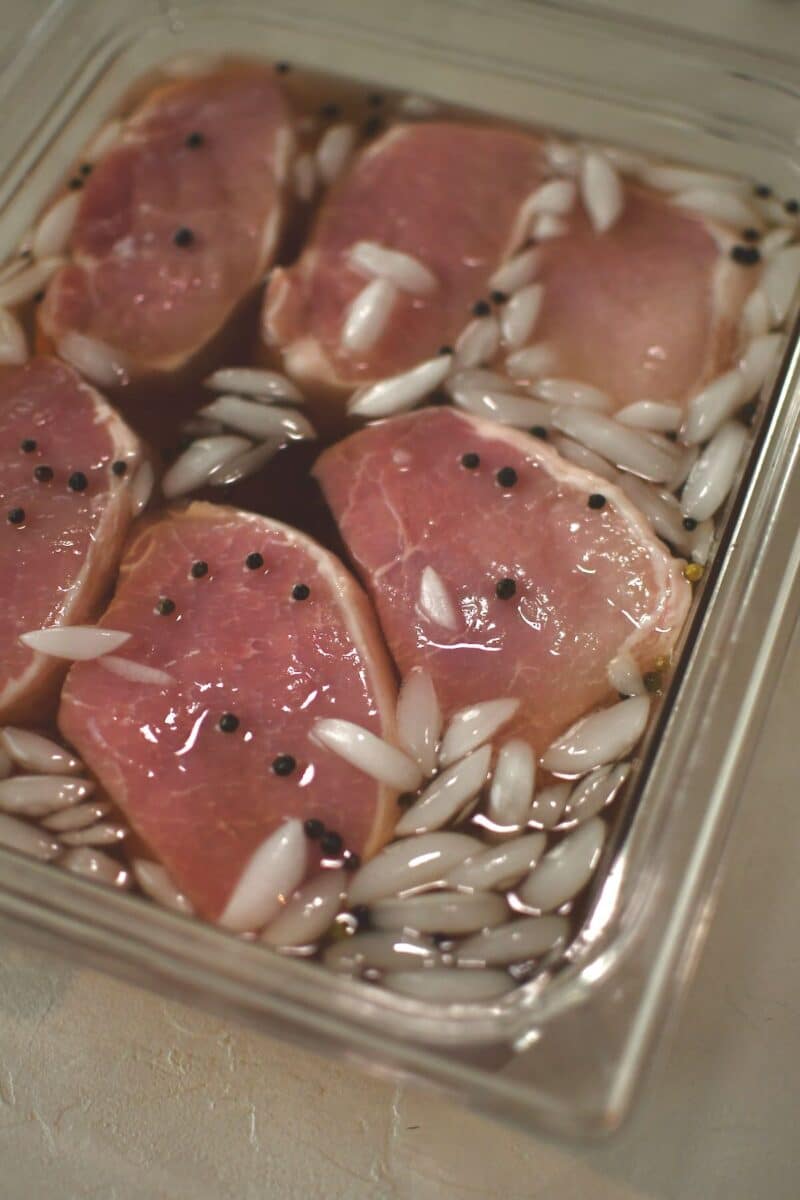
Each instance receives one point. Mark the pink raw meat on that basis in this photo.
(57, 564)
(588, 582)
(647, 310)
(237, 642)
(446, 194)
(129, 284)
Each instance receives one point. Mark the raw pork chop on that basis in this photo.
(648, 310)
(645, 310)
(241, 640)
(541, 589)
(446, 194)
(65, 514)
(178, 221)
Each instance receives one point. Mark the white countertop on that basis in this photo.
(110, 1092)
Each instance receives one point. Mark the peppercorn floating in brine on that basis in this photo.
(208, 767)
(67, 516)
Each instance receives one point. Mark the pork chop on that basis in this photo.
(178, 221)
(268, 634)
(543, 573)
(445, 194)
(65, 513)
(646, 310)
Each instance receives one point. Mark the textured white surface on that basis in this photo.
(108, 1092)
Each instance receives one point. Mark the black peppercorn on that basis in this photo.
(748, 412)
(331, 843)
(652, 681)
(505, 589)
(360, 914)
(77, 482)
(284, 764)
(746, 256)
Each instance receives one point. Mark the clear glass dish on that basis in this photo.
(567, 1050)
